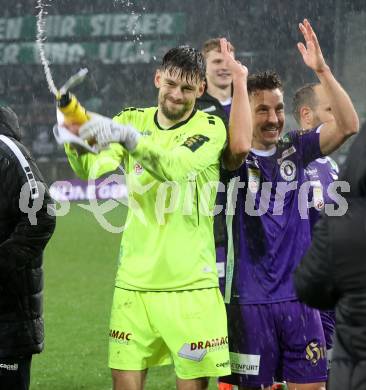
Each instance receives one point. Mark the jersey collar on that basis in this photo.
(179, 124)
(264, 153)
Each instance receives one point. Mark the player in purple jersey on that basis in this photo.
(310, 109)
(271, 334)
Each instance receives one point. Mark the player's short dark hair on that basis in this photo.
(213, 44)
(262, 81)
(304, 96)
(185, 61)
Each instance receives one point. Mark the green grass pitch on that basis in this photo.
(80, 265)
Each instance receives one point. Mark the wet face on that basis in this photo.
(177, 95)
(322, 113)
(217, 73)
(268, 117)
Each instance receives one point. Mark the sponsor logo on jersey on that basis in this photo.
(197, 350)
(286, 153)
(207, 344)
(315, 352)
(242, 363)
(187, 353)
(138, 169)
(311, 172)
(223, 364)
(120, 337)
(195, 141)
(253, 180)
(288, 170)
(318, 198)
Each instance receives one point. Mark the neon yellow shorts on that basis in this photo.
(155, 328)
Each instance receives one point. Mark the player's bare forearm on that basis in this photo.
(333, 134)
(240, 122)
(346, 118)
(240, 126)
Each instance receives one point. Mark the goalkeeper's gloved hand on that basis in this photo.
(104, 131)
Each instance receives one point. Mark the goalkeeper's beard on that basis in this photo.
(174, 115)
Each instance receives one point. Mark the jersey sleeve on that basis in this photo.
(308, 143)
(91, 165)
(193, 155)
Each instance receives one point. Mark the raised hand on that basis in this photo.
(311, 51)
(235, 67)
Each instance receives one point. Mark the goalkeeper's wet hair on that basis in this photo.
(264, 81)
(185, 62)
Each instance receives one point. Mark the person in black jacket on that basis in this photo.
(333, 274)
(354, 172)
(26, 224)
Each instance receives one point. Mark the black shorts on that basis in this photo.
(15, 373)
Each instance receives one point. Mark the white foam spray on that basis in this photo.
(41, 37)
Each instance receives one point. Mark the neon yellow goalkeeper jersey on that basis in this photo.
(172, 178)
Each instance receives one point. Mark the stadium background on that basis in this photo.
(121, 43)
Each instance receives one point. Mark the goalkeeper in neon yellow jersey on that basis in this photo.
(166, 305)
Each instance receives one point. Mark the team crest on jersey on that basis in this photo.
(138, 169)
(288, 170)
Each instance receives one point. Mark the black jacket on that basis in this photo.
(333, 274)
(212, 106)
(23, 236)
(354, 169)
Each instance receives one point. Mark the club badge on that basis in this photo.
(288, 170)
